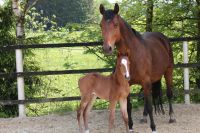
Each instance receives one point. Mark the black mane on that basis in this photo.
(136, 33)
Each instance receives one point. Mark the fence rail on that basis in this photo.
(32, 46)
(81, 71)
(43, 100)
(72, 98)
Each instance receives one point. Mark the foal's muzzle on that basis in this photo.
(127, 77)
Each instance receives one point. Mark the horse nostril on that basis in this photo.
(110, 48)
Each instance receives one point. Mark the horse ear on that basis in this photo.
(116, 8)
(101, 9)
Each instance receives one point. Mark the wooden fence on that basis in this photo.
(33, 46)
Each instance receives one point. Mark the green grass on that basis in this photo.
(61, 85)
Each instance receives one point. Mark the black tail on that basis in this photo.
(157, 96)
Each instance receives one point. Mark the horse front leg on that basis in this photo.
(111, 115)
(168, 78)
(80, 111)
(148, 102)
(129, 110)
(123, 107)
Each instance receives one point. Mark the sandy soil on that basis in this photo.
(187, 116)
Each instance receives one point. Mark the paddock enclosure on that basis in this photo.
(70, 47)
(181, 42)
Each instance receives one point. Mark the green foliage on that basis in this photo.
(7, 64)
(74, 11)
(8, 86)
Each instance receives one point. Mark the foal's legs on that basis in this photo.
(168, 78)
(148, 103)
(111, 115)
(80, 111)
(87, 111)
(129, 109)
(123, 107)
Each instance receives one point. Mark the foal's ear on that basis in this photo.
(116, 8)
(101, 9)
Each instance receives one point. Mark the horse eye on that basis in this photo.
(115, 25)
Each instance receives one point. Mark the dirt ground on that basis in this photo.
(187, 116)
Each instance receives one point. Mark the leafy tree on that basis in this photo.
(7, 64)
(8, 90)
(66, 11)
(198, 43)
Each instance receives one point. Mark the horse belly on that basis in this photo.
(160, 63)
(102, 91)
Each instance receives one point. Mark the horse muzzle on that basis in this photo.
(127, 77)
(107, 49)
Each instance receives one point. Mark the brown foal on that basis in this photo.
(113, 88)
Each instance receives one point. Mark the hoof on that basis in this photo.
(131, 131)
(172, 121)
(142, 121)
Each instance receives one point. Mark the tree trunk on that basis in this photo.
(20, 18)
(149, 15)
(198, 44)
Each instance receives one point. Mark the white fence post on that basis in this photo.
(186, 73)
(20, 81)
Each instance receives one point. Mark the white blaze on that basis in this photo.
(125, 63)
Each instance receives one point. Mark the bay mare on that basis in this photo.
(150, 57)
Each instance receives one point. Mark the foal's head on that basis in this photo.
(123, 65)
(110, 28)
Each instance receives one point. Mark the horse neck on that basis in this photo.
(128, 38)
(118, 77)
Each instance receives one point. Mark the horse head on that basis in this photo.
(110, 28)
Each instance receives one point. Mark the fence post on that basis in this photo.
(186, 73)
(20, 82)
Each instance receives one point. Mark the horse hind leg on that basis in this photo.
(148, 102)
(161, 102)
(87, 111)
(156, 88)
(123, 107)
(80, 111)
(168, 78)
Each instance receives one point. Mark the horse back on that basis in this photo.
(157, 38)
